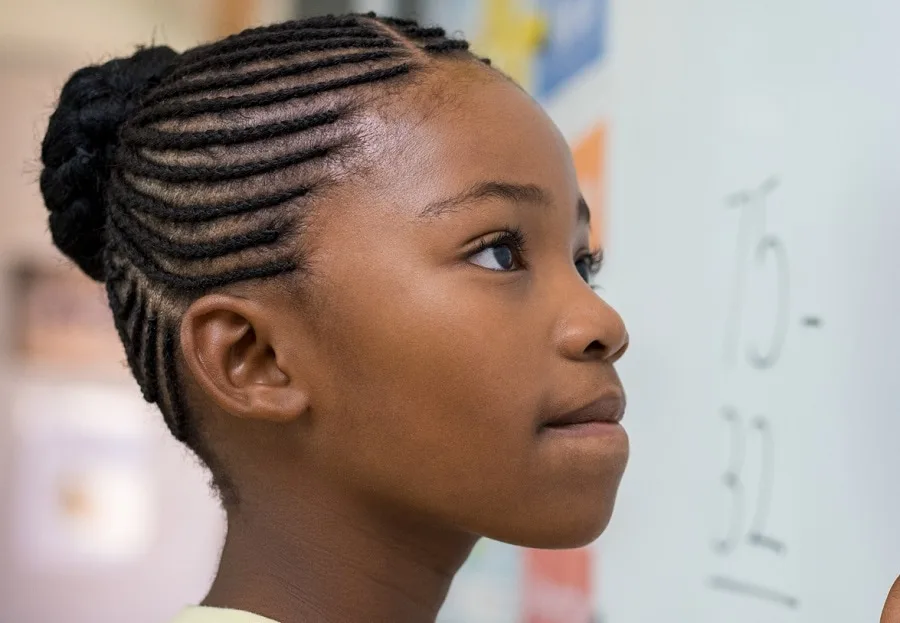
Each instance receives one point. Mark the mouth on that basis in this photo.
(595, 416)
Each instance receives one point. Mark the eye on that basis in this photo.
(589, 265)
(499, 257)
(501, 253)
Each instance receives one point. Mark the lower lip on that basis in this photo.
(584, 429)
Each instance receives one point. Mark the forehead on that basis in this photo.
(463, 125)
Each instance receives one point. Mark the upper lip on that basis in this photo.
(608, 408)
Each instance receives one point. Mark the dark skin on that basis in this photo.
(891, 613)
(383, 416)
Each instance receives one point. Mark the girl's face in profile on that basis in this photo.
(459, 366)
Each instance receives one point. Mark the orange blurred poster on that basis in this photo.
(557, 586)
(590, 166)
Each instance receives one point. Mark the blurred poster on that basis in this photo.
(487, 589)
(556, 586)
(575, 38)
(82, 480)
(590, 166)
(63, 320)
(511, 34)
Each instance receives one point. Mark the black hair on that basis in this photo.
(167, 175)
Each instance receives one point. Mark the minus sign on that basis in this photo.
(811, 321)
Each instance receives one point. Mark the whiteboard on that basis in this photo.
(754, 218)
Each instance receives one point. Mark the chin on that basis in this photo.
(565, 526)
(569, 535)
(568, 510)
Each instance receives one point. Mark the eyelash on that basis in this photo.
(512, 237)
(594, 263)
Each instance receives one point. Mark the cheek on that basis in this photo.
(433, 391)
(428, 400)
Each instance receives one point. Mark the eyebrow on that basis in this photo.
(506, 191)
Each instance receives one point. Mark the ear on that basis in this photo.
(229, 348)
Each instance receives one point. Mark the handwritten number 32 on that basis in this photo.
(733, 480)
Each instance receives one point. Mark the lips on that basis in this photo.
(608, 409)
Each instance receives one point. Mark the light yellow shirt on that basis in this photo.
(201, 614)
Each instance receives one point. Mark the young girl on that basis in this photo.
(350, 262)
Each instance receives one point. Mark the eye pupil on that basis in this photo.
(504, 256)
(584, 270)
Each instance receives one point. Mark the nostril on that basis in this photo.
(595, 348)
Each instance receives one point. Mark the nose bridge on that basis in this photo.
(590, 328)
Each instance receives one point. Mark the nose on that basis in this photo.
(592, 331)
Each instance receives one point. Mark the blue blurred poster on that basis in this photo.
(576, 38)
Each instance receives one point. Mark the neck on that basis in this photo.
(343, 563)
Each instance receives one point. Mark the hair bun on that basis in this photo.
(78, 148)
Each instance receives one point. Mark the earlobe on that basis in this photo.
(231, 353)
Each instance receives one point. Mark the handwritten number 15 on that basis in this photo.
(754, 241)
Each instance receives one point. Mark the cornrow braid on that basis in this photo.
(149, 358)
(183, 195)
(447, 45)
(148, 238)
(252, 77)
(198, 212)
(397, 21)
(136, 165)
(167, 110)
(255, 53)
(157, 139)
(422, 33)
(293, 26)
(272, 37)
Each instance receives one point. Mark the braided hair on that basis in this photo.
(167, 175)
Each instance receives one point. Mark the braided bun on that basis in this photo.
(78, 149)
